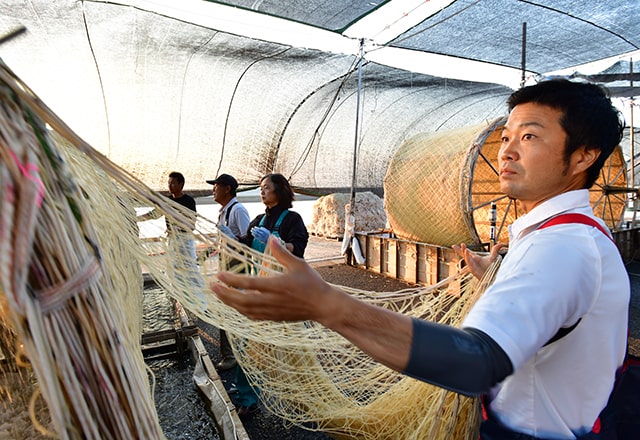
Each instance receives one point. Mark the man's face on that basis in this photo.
(220, 192)
(175, 187)
(531, 158)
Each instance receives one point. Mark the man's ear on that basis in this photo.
(583, 158)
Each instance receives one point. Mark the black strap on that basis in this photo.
(562, 332)
(226, 217)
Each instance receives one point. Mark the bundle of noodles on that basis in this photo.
(55, 281)
(57, 294)
(308, 374)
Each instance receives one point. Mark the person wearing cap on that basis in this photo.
(233, 220)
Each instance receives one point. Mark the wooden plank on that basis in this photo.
(428, 264)
(376, 254)
(159, 351)
(408, 261)
(390, 258)
(163, 335)
(209, 383)
(371, 244)
(450, 259)
(627, 241)
(422, 264)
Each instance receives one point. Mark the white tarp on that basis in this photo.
(204, 87)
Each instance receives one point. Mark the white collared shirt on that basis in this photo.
(549, 279)
(238, 217)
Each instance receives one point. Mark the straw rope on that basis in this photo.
(73, 249)
(57, 294)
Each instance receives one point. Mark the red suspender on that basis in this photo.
(575, 218)
(585, 220)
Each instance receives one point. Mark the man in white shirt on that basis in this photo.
(233, 220)
(568, 276)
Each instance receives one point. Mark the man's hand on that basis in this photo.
(300, 294)
(478, 264)
(261, 234)
(226, 230)
(295, 295)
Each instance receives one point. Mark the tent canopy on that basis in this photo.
(559, 33)
(251, 87)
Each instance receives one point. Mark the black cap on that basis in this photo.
(225, 179)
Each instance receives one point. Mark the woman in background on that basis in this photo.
(278, 219)
(277, 195)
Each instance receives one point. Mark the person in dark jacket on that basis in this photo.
(278, 220)
(277, 195)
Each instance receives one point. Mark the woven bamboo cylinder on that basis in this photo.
(439, 188)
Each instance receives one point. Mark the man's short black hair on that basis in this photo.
(589, 118)
(178, 176)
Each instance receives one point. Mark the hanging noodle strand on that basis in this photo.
(73, 246)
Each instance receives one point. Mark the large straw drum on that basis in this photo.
(439, 188)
